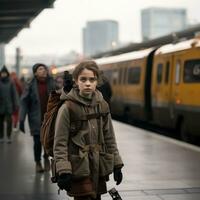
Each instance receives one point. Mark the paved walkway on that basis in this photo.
(156, 168)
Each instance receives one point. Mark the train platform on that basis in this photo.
(156, 168)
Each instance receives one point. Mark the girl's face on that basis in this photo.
(86, 82)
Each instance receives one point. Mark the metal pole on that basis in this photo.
(17, 66)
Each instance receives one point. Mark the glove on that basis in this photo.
(64, 181)
(21, 126)
(118, 175)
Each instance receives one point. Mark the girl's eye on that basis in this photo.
(90, 79)
(83, 79)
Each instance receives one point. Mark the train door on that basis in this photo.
(157, 89)
(175, 86)
(134, 98)
(159, 92)
(163, 90)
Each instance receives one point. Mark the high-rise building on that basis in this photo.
(158, 22)
(100, 36)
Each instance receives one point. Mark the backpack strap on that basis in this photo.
(104, 109)
(77, 118)
(75, 114)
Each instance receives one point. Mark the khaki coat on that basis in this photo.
(85, 148)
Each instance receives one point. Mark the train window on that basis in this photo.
(121, 75)
(125, 72)
(159, 72)
(167, 72)
(115, 77)
(108, 74)
(178, 68)
(134, 75)
(191, 72)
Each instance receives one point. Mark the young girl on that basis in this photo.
(85, 149)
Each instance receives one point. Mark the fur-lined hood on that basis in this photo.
(74, 95)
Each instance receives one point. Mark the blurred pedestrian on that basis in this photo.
(15, 115)
(9, 103)
(68, 81)
(23, 82)
(59, 84)
(105, 88)
(34, 102)
(85, 148)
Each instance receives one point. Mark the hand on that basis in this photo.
(118, 176)
(21, 126)
(64, 181)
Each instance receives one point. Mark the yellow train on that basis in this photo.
(160, 86)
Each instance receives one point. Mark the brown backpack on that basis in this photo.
(47, 130)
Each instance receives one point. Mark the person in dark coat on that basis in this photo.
(105, 88)
(34, 102)
(9, 102)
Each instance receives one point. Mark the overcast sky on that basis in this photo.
(59, 30)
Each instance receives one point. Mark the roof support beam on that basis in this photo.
(18, 14)
(23, 6)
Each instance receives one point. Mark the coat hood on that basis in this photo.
(4, 69)
(73, 95)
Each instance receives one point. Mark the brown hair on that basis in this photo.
(88, 64)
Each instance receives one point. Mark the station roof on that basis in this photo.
(18, 14)
(184, 45)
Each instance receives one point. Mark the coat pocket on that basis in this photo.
(106, 163)
(80, 165)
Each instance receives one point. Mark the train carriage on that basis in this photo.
(176, 87)
(128, 77)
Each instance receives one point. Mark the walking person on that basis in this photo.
(9, 103)
(59, 84)
(85, 149)
(34, 102)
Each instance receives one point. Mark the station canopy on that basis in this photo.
(18, 14)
